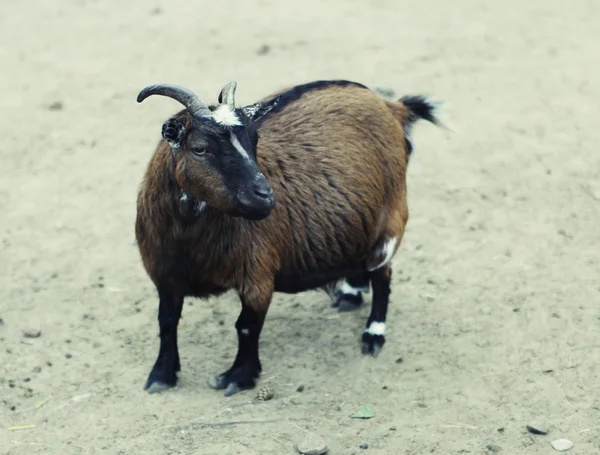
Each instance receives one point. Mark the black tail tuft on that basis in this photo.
(420, 107)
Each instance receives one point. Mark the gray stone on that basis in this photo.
(32, 333)
(562, 445)
(538, 426)
(312, 444)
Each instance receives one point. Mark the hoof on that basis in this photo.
(372, 344)
(161, 378)
(235, 380)
(348, 302)
(157, 387)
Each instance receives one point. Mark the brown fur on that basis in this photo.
(336, 161)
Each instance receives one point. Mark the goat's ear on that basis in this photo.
(227, 95)
(257, 110)
(172, 132)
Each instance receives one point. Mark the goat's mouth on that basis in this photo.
(255, 206)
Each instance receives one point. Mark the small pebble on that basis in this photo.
(56, 106)
(364, 445)
(501, 430)
(493, 448)
(538, 426)
(1, 322)
(399, 360)
(37, 369)
(33, 333)
(27, 379)
(263, 50)
(68, 356)
(312, 444)
(300, 389)
(12, 408)
(562, 445)
(49, 364)
(393, 428)
(11, 385)
(100, 285)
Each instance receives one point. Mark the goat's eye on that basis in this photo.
(198, 151)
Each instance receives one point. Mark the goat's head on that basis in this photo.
(214, 150)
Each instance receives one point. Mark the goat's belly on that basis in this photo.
(293, 281)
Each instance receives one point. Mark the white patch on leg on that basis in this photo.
(387, 250)
(226, 116)
(245, 332)
(236, 144)
(376, 328)
(345, 288)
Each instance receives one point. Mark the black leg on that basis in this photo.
(373, 337)
(163, 374)
(349, 296)
(246, 368)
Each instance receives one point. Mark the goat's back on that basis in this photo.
(336, 161)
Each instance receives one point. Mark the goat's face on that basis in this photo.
(217, 164)
(214, 151)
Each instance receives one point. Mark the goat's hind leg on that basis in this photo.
(373, 338)
(164, 372)
(349, 295)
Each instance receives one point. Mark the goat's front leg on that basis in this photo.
(246, 368)
(163, 374)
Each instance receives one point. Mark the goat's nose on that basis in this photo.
(263, 190)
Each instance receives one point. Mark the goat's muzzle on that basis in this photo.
(256, 201)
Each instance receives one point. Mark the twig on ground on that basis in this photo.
(281, 442)
(300, 428)
(460, 425)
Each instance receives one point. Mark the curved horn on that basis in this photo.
(183, 95)
(227, 95)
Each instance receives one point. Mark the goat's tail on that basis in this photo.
(419, 107)
(411, 108)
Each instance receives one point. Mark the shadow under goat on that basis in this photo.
(304, 189)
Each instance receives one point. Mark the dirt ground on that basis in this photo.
(494, 314)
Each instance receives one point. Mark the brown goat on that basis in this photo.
(301, 190)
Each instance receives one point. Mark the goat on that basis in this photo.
(302, 190)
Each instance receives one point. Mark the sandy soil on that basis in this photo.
(494, 317)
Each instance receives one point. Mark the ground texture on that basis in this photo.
(494, 316)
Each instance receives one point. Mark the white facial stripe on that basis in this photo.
(388, 250)
(236, 143)
(226, 116)
(376, 328)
